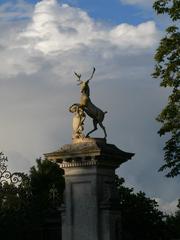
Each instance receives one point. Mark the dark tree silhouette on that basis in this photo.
(26, 208)
(141, 218)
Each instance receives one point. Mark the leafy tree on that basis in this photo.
(25, 207)
(167, 68)
(12, 199)
(47, 183)
(173, 224)
(141, 218)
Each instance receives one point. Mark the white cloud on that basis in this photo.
(57, 27)
(57, 30)
(142, 36)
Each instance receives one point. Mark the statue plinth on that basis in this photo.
(89, 140)
(91, 210)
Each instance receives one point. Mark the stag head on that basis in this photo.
(79, 77)
(84, 84)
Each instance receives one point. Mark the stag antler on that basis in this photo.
(78, 76)
(92, 74)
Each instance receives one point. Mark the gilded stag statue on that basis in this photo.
(88, 107)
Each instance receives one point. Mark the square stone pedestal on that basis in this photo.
(91, 210)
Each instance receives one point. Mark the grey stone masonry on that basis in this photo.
(91, 210)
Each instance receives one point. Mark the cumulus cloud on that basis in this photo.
(57, 27)
(40, 53)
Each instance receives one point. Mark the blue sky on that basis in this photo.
(113, 11)
(110, 11)
(43, 42)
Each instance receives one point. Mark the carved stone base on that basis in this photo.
(91, 210)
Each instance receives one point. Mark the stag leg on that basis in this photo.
(95, 127)
(104, 129)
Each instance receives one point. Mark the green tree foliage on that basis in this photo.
(141, 218)
(13, 199)
(167, 68)
(25, 207)
(45, 177)
(173, 224)
(46, 183)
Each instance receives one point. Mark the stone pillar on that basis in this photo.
(91, 210)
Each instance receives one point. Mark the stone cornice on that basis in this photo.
(89, 152)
